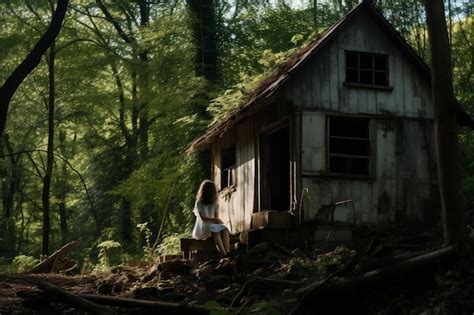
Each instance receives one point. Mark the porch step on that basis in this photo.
(201, 249)
(302, 236)
(191, 245)
(272, 219)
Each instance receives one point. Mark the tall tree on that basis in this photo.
(446, 128)
(203, 19)
(50, 154)
(12, 83)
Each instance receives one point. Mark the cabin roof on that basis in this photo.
(268, 86)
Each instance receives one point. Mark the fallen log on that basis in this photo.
(149, 306)
(49, 264)
(410, 272)
(59, 295)
(379, 263)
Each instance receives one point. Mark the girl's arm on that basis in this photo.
(208, 219)
(204, 218)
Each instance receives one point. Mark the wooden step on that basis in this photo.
(193, 248)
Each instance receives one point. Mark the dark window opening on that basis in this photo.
(366, 68)
(228, 167)
(349, 146)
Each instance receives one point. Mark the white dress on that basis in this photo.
(202, 230)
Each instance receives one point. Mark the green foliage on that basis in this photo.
(104, 88)
(215, 308)
(266, 308)
(105, 252)
(23, 263)
(170, 245)
(235, 96)
(334, 260)
(148, 253)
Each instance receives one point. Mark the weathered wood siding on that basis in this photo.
(236, 205)
(403, 184)
(318, 83)
(403, 181)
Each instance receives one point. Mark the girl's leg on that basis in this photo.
(226, 240)
(218, 241)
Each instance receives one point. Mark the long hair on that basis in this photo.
(207, 193)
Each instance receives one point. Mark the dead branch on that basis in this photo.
(413, 271)
(315, 286)
(63, 296)
(48, 265)
(159, 307)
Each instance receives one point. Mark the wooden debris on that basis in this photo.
(149, 306)
(55, 262)
(94, 304)
(408, 272)
(59, 295)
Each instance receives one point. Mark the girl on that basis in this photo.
(207, 221)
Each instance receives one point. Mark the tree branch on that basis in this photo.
(94, 212)
(31, 61)
(114, 22)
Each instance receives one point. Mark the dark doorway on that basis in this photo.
(277, 166)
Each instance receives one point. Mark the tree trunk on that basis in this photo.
(50, 155)
(126, 222)
(449, 170)
(31, 61)
(9, 189)
(8, 186)
(205, 38)
(315, 15)
(144, 85)
(61, 189)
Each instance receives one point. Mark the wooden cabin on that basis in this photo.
(349, 117)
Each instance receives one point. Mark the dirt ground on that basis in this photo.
(218, 285)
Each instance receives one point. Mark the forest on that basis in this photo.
(95, 148)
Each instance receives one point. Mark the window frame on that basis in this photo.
(371, 147)
(372, 70)
(231, 168)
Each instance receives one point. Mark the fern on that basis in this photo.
(104, 254)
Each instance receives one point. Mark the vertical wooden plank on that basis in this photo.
(342, 90)
(316, 70)
(333, 75)
(297, 154)
(408, 88)
(313, 142)
(244, 195)
(363, 101)
(324, 73)
(306, 82)
(390, 104)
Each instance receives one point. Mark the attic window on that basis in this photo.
(366, 68)
(228, 167)
(349, 146)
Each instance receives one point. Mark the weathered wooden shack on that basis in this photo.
(350, 116)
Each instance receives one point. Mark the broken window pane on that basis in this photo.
(228, 167)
